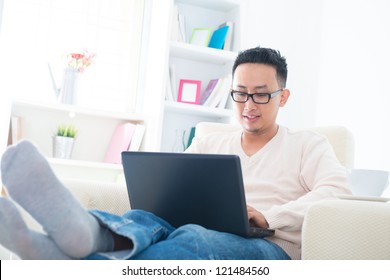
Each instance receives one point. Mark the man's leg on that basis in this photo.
(18, 238)
(32, 184)
(144, 229)
(196, 242)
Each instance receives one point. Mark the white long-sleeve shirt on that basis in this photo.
(284, 178)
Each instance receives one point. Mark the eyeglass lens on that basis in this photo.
(257, 98)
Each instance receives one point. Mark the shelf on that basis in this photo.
(76, 110)
(85, 164)
(86, 170)
(38, 122)
(201, 54)
(197, 110)
(218, 5)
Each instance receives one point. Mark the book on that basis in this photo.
(9, 140)
(182, 28)
(16, 128)
(138, 135)
(213, 96)
(120, 141)
(216, 95)
(225, 91)
(219, 93)
(172, 80)
(229, 103)
(209, 89)
(168, 93)
(218, 38)
(191, 136)
(175, 24)
(169, 90)
(178, 26)
(227, 46)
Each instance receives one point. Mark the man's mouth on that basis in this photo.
(251, 117)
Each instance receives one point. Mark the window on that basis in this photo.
(36, 33)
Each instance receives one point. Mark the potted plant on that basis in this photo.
(63, 141)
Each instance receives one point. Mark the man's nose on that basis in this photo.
(250, 104)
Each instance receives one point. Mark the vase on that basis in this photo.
(69, 86)
(179, 144)
(62, 147)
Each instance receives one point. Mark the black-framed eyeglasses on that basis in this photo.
(258, 98)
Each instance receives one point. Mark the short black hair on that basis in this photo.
(264, 56)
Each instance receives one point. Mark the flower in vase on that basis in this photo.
(80, 61)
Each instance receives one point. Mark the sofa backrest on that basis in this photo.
(340, 138)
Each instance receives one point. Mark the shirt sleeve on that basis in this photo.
(321, 175)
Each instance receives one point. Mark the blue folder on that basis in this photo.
(218, 38)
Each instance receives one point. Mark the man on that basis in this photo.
(284, 173)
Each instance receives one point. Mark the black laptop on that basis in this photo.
(185, 188)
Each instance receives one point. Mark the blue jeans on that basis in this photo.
(154, 238)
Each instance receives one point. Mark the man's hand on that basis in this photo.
(256, 218)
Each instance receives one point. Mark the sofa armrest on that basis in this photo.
(346, 230)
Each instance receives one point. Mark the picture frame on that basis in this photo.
(189, 91)
(201, 36)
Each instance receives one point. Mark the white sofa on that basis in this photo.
(339, 229)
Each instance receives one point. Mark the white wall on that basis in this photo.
(339, 55)
(1, 11)
(291, 27)
(353, 89)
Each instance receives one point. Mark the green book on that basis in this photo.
(191, 136)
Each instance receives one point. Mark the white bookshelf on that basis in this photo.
(38, 122)
(199, 63)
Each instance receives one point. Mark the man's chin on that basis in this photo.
(251, 129)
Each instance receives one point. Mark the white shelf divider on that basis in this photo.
(201, 54)
(197, 110)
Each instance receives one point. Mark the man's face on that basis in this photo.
(257, 78)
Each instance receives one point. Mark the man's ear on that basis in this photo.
(284, 95)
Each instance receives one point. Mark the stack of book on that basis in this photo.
(218, 38)
(216, 93)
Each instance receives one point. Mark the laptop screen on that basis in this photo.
(185, 188)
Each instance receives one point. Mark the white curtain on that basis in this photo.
(5, 101)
